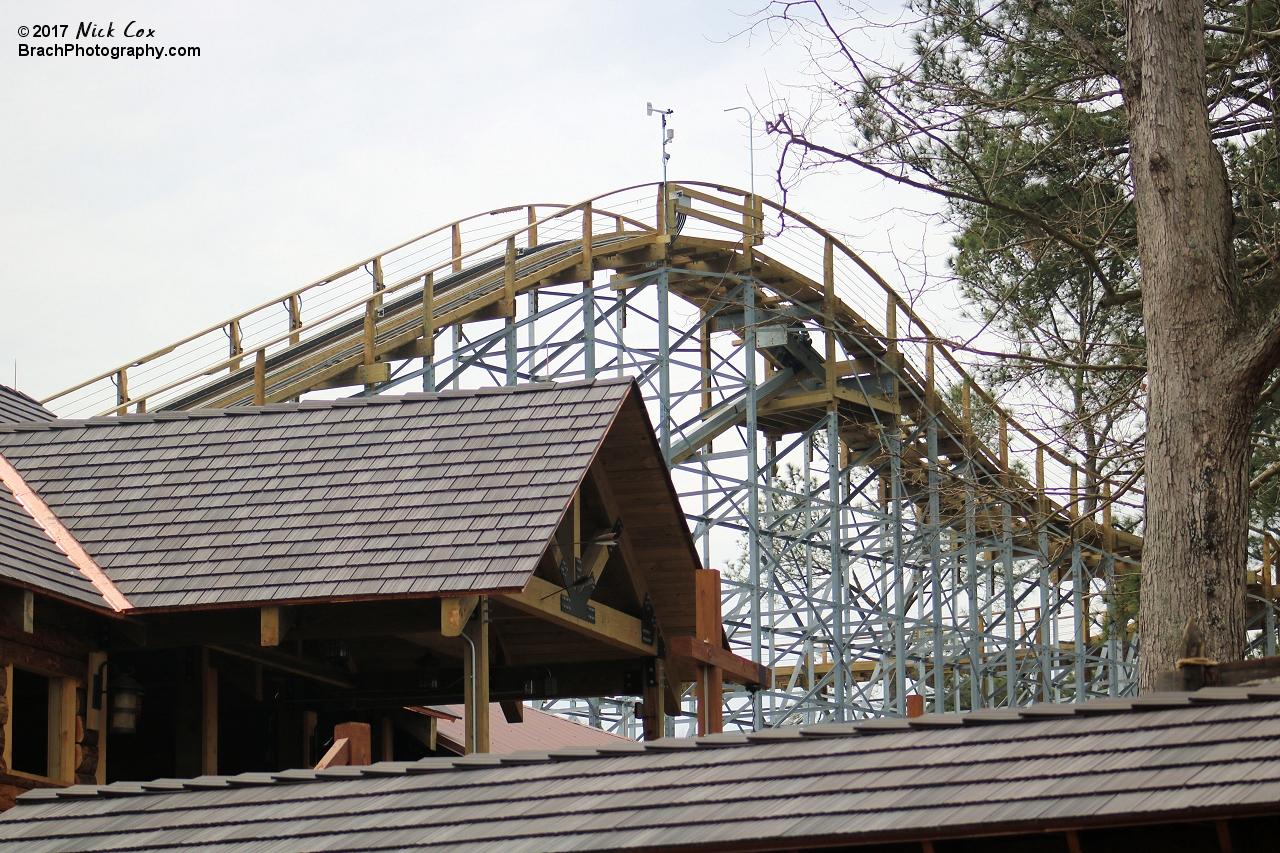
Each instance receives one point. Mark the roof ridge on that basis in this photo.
(1152, 702)
(61, 536)
(353, 401)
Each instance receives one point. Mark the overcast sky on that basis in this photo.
(144, 199)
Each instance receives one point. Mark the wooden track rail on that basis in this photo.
(397, 313)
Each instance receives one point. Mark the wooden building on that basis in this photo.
(211, 592)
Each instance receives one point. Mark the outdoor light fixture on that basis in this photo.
(126, 705)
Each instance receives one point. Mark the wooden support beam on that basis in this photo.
(475, 671)
(512, 710)
(62, 730)
(533, 226)
(612, 627)
(269, 626)
(652, 715)
(455, 612)
(735, 669)
(337, 756)
(700, 650)
(457, 248)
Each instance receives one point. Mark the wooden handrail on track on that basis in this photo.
(475, 293)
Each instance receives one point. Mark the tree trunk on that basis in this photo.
(1202, 390)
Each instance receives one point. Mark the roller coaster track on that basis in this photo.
(925, 553)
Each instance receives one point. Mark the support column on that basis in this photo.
(476, 659)
(653, 698)
(196, 729)
(899, 581)
(935, 567)
(754, 557)
(975, 614)
(708, 623)
(1082, 628)
(838, 582)
(209, 717)
(664, 364)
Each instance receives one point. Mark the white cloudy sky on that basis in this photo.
(143, 199)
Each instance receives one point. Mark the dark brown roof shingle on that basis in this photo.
(16, 407)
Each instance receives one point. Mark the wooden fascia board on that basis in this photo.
(612, 627)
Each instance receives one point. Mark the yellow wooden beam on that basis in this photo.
(455, 613)
(612, 627)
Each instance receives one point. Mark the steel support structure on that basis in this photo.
(875, 538)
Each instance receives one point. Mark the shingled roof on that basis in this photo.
(16, 407)
(415, 495)
(29, 558)
(1166, 757)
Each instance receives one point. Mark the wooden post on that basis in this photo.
(208, 716)
(457, 248)
(705, 346)
(509, 280)
(388, 731)
(930, 369)
(429, 316)
(588, 250)
(358, 737)
(122, 387)
(95, 718)
(62, 730)
(653, 715)
(476, 707)
(260, 378)
(370, 330)
(269, 626)
(533, 226)
(915, 705)
(709, 626)
(309, 722)
(295, 319)
(829, 318)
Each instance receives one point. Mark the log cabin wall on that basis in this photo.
(53, 735)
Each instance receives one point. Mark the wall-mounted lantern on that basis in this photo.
(126, 705)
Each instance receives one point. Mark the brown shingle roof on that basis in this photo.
(16, 407)
(29, 557)
(1166, 757)
(417, 495)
